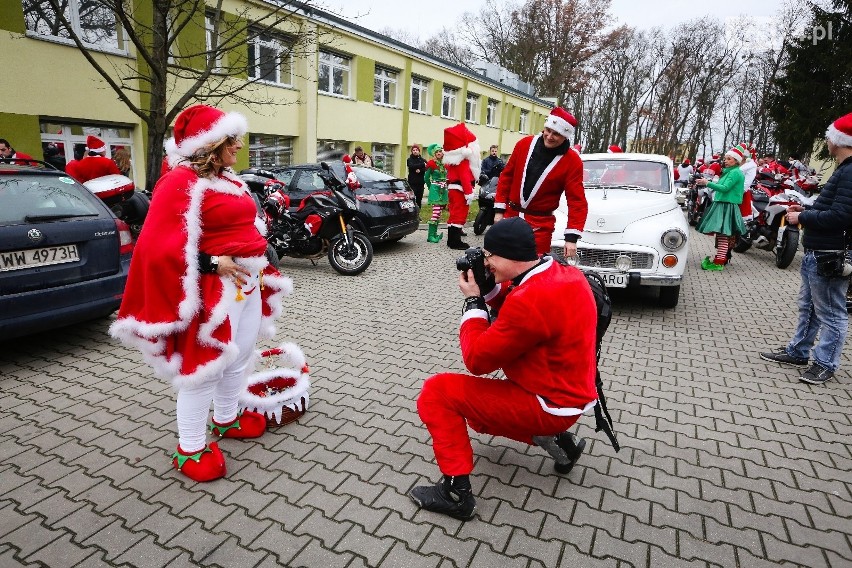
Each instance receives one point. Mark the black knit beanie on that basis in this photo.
(511, 238)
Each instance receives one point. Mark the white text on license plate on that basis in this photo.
(615, 280)
(19, 259)
(409, 205)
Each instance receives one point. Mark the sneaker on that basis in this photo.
(816, 375)
(780, 356)
(564, 449)
(440, 499)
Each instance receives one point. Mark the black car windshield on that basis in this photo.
(649, 176)
(35, 197)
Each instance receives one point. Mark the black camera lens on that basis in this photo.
(463, 264)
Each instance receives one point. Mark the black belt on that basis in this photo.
(517, 207)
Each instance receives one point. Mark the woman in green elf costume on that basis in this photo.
(724, 218)
(436, 180)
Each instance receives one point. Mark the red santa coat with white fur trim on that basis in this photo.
(92, 167)
(463, 167)
(563, 175)
(173, 313)
(544, 339)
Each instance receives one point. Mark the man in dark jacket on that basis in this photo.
(416, 170)
(822, 297)
(492, 165)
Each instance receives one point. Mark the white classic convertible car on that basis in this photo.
(635, 233)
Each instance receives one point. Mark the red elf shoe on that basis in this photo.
(205, 465)
(247, 424)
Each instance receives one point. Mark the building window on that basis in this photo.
(383, 157)
(209, 26)
(93, 22)
(384, 87)
(331, 149)
(269, 150)
(522, 122)
(491, 113)
(334, 71)
(448, 102)
(471, 108)
(269, 59)
(70, 141)
(419, 91)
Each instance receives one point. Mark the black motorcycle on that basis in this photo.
(324, 224)
(485, 217)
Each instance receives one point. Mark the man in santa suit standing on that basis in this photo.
(543, 340)
(462, 161)
(95, 164)
(540, 169)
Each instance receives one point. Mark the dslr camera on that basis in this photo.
(474, 260)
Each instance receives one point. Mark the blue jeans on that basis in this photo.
(822, 308)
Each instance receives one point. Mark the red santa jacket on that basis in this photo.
(544, 339)
(174, 314)
(564, 174)
(92, 167)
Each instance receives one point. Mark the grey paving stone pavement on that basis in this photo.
(728, 460)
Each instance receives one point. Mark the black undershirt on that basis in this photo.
(539, 160)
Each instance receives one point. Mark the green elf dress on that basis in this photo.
(436, 179)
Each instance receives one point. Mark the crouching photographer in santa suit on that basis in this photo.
(544, 341)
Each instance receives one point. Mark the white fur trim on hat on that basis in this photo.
(560, 125)
(230, 124)
(735, 155)
(837, 137)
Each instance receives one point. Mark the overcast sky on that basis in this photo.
(426, 19)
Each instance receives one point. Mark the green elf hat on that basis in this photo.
(432, 148)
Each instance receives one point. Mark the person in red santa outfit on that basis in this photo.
(540, 169)
(200, 289)
(462, 161)
(9, 153)
(544, 340)
(95, 164)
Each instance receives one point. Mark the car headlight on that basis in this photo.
(623, 262)
(673, 239)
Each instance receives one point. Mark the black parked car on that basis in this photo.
(386, 205)
(63, 255)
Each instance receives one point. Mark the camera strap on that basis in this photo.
(603, 421)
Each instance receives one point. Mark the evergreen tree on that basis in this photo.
(816, 87)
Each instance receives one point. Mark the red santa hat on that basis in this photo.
(699, 161)
(686, 162)
(614, 149)
(346, 159)
(839, 132)
(201, 125)
(95, 144)
(738, 152)
(716, 156)
(561, 121)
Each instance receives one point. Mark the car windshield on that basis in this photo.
(635, 174)
(37, 198)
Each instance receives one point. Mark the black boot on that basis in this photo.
(563, 449)
(451, 496)
(454, 239)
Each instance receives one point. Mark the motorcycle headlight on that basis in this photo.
(623, 262)
(673, 239)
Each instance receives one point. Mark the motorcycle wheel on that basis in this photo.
(480, 223)
(272, 256)
(742, 245)
(353, 260)
(786, 250)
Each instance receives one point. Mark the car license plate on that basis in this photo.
(407, 205)
(615, 280)
(20, 259)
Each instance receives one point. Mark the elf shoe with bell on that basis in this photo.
(248, 424)
(205, 465)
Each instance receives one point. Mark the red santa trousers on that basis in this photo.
(450, 402)
(458, 208)
(542, 226)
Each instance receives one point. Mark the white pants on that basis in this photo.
(193, 403)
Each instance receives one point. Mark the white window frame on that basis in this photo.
(385, 78)
(491, 113)
(73, 16)
(471, 108)
(208, 40)
(523, 122)
(109, 134)
(420, 85)
(332, 67)
(283, 56)
(281, 147)
(448, 102)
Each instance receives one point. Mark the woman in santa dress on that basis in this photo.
(200, 290)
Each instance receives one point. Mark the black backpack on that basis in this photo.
(603, 421)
